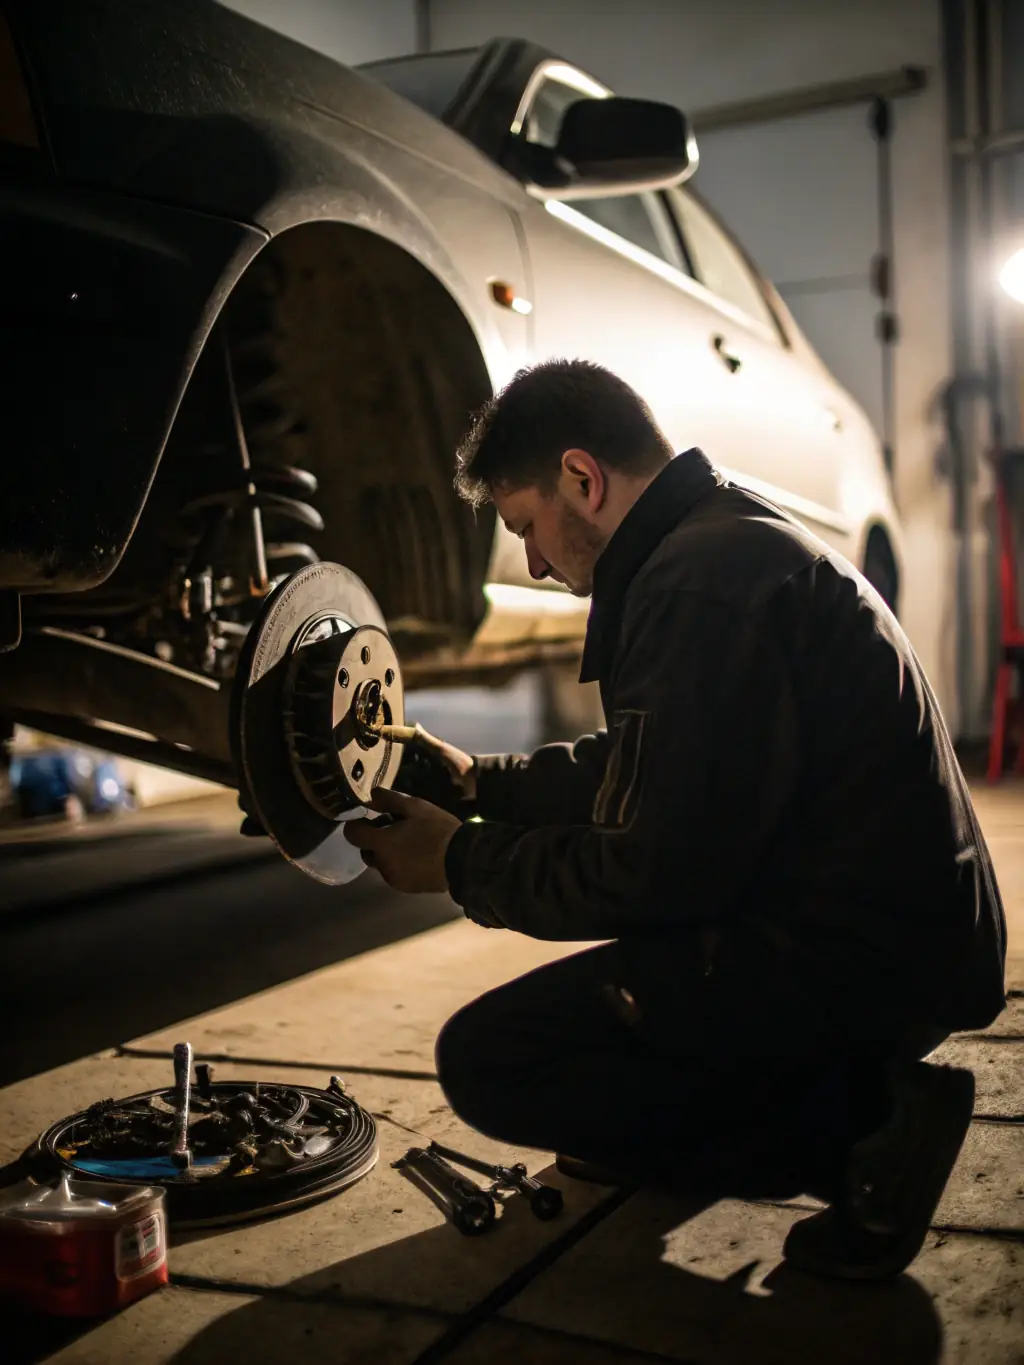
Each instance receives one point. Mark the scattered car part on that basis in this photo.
(318, 677)
(471, 1209)
(255, 1148)
(545, 1200)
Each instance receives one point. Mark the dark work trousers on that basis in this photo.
(641, 1057)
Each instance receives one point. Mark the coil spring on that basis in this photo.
(257, 484)
(280, 489)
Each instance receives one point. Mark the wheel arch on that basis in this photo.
(881, 562)
(355, 361)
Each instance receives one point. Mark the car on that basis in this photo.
(253, 298)
(58, 782)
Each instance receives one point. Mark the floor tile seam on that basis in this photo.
(130, 1052)
(997, 1234)
(1009, 1234)
(487, 1308)
(212, 1284)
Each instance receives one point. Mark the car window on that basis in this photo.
(641, 218)
(430, 81)
(717, 262)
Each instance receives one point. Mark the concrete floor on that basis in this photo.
(375, 1275)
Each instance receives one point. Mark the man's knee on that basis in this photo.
(471, 1054)
(460, 1051)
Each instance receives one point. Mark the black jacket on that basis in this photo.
(776, 770)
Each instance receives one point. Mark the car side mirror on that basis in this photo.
(614, 144)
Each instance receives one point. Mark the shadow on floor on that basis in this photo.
(607, 1291)
(601, 1296)
(639, 1302)
(123, 965)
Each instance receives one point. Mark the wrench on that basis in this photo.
(545, 1201)
(470, 1208)
(181, 1153)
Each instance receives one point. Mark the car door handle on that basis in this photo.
(731, 361)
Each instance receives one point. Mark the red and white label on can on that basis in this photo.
(140, 1248)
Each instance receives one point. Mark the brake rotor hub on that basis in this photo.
(317, 679)
(343, 685)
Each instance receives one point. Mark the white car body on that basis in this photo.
(777, 422)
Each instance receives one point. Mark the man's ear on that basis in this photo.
(584, 477)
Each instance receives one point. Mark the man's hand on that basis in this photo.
(459, 765)
(438, 772)
(408, 854)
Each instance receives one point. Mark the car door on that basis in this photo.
(609, 283)
(785, 432)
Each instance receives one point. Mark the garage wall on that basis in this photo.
(351, 31)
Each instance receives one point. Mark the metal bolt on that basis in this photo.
(343, 677)
(365, 654)
(389, 677)
(357, 770)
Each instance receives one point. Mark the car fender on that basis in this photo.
(190, 178)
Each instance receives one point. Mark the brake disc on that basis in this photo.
(316, 680)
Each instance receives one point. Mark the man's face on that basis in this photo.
(561, 542)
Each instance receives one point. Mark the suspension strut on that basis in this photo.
(252, 489)
(258, 581)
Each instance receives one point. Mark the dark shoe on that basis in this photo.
(895, 1179)
(577, 1169)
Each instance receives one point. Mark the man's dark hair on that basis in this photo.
(518, 437)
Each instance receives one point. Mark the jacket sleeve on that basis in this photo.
(700, 769)
(555, 785)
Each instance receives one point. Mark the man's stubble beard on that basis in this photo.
(583, 544)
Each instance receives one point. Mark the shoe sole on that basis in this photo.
(934, 1106)
(937, 1105)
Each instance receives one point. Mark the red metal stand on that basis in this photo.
(1011, 634)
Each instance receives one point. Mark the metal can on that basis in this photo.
(81, 1248)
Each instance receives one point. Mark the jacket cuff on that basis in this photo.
(455, 860)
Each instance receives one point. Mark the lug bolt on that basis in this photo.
(343, 677)
(365, 654)
(357, 770)
(389, 677)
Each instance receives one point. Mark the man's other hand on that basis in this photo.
(437, 772)
(409, 851)
(460, 765)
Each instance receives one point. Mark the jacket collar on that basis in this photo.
(683, 483)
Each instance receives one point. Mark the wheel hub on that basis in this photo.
(343, 685)
(317, 679)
